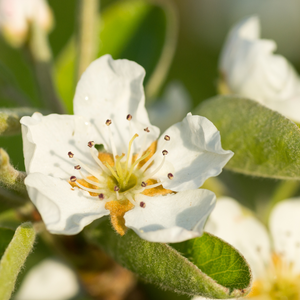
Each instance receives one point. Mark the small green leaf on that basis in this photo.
(14, 257)
(161, 264)
(264, 142)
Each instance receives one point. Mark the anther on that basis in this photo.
(164, 152)
(101, 196)
(73, 178)
(108, 122)
(77, 167)
(170, 176)
(142, 204)
(70, 154)
(143, 184)
(116, 188)
(91, 144)
(129, 117)
(147, 129)
(167, 138)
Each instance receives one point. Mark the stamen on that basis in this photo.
(167, 138)
(91, 181)
(91, 144)
(113, 146)
(101, 196)
(88, 189)
(147, 129)
(135, 164)
(119, 167)
(153, 185)
(157, 169)
(108, 122)
(142, 204)
(170, 176)
(164, 152)
(129, 117)
(112, 171)
(77, 167)
(116, 188)
(95, 174)
(98, 161)
(129, 151)
(130, 198)
(70, 154)
(143, 184)
(73, 178)
(147, 164)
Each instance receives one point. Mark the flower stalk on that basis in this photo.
(87, 40)
(42, 59)
(9, 176)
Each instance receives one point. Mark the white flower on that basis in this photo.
(15, 16)
(47, 280)
(147, 185)
(274, 255)
(249, 68)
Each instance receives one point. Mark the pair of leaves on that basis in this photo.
(264, 142)
(205, 266)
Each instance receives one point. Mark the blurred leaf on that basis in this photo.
(163, 265)
(6, 235)
(127, 30)
(14, 257)
(8, 219)
(264, 142)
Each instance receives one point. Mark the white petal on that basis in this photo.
(48, 139)
(112, 89)
(194, 154)
(50, 279)
(171, 218)
(64, 211)
(285, 230)
(251, 70)
(239, 228)
(172, 107)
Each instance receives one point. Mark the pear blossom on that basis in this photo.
(106, 159)
(49, 279)
(16, 15)
(249, 68)
(273, 255)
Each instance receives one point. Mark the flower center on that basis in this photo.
(121, 177)
(280, 283)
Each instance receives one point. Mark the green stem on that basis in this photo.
(42, 59)
(14, 258)
(87, 34)
(162, 68)
(9, 176)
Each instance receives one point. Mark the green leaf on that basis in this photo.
(264, 142)
(127, 31)
(161, 264)
(14, 257)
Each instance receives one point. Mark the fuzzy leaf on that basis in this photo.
(161, 264)
(14, 257)
(264, 142)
